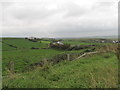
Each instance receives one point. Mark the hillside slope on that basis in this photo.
(93, 71)
(21, 43)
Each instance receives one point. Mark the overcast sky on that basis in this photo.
(59, 18)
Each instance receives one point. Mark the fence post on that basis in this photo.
(68, 57)
(11, 66)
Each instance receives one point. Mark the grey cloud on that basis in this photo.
(106, 4)
(103, 5)
(76, 30)
(63, 20)
(74, 10)
(32, 14)
(6, 4)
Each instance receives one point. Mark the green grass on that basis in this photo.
(22, 43)
(0, 50)
(0, 65)
(23, 58)
(83, 42)
(95, 71)
(47, 42)
(92, 71)
(6, 47)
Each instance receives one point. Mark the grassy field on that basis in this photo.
(21, 43)
(98, 71)
(84, 42)
(92, 71)
(23, 58)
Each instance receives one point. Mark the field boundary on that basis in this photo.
(87, 54)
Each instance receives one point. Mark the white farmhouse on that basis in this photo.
(103, 41)
(58, 42)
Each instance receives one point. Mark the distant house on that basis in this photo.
(58, 43)
(55, 43)
(106, 41)
(103, 41)
(33, 39)
(115, 41)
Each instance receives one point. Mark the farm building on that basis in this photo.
(57, 43)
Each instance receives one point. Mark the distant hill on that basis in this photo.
(47, 38)
(112, 37)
